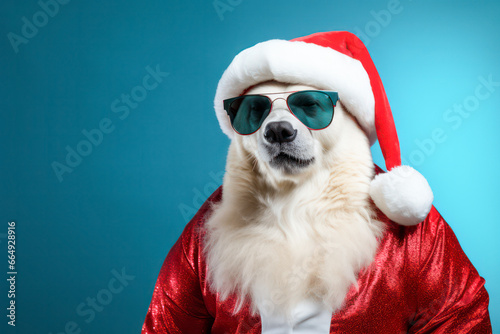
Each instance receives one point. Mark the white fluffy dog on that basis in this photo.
(303, 233)
(296, 221)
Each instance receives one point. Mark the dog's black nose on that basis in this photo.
(280, 132)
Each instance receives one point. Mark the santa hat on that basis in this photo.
(336, 61)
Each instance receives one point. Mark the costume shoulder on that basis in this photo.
(450, 293)
(171, 309)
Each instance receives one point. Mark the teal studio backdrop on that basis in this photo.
(109, 142)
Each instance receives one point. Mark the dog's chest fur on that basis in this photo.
(276, 249)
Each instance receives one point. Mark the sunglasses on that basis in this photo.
(314, 108)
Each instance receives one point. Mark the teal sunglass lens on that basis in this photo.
(313, 108)
(247, 113)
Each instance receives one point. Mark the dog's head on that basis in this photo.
(285, 149)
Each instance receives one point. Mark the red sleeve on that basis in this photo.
(450, 293)
(178, 304)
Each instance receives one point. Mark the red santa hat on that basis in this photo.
(336, 61)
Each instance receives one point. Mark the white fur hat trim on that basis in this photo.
(304, 63)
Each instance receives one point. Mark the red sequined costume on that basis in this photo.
(420, 282)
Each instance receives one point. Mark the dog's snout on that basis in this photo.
(280, 132)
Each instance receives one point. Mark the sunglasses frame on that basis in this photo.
(332, 95)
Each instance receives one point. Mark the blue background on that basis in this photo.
(124, 205)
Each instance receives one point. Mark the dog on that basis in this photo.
(296, 221)
(306, 235)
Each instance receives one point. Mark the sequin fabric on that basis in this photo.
(420, 282)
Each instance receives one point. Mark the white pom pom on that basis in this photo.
(403, 195)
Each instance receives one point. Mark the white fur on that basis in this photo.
(403, 195)
(299, 62)
(278, 239)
